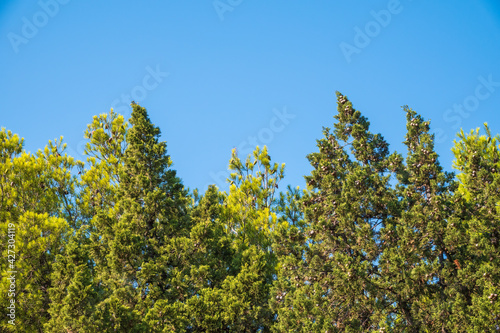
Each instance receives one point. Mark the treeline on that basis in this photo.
(377, 241)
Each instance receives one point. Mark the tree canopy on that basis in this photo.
(377, 241)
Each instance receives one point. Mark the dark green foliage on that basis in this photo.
(73, 295)
(392, 257)
(152, 214)
(348, 202)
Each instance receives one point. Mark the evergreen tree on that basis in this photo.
(73, 295)
(414, 265)
(372, 254)
(229, 251)
(288, 245)
(473, 238)
(152, 214)
(36, 211)
(80, 272)
(252, 219)
(251, 199)
(209, 257)
(349, 201)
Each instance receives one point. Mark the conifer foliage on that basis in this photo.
(348, 202)
(377, 241)
(36, 211)
(152, 213)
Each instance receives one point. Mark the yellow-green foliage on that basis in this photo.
(36, 205)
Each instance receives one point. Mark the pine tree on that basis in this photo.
(74, 296)
(235, 254)
(252, 219)
(80, 272)
(373, 254)
(414, 264)
(473, 237)
(251, 198)
(152, 215)
(288, 245)
(348, 202)
(36, 211)
(208, 256)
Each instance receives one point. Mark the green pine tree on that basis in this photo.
(349, 201)
(234, 256)
(36, 211)
(414, 264)
(81, 271)
(372, 255)
(473, 241)
(152, 214)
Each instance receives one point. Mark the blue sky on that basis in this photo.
(232, 73)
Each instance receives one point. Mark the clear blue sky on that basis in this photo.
(233, 66)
